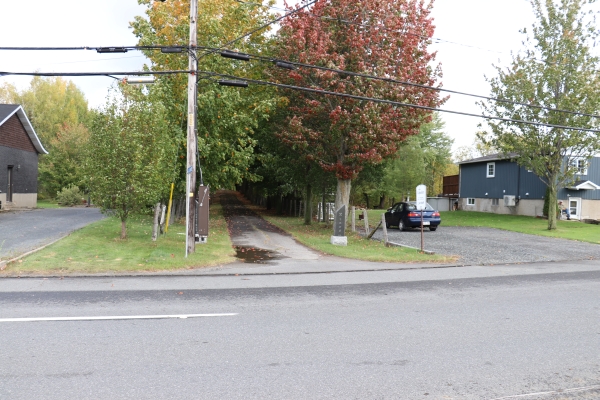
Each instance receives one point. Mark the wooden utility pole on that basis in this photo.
(190, 241)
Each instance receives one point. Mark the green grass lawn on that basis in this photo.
(573, 230)
(47, 203)
(317, 236)
(97, 248)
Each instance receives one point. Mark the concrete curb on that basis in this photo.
(231, 272)
(5, 263)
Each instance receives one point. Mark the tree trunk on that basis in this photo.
(366, 199)
(342, 195)
(323, 206)
(123, 228)
(551, 207)
(308, 205)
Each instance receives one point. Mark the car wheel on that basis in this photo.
(432, 228)
(401, 226)
(387, 224)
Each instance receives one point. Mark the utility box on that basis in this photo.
(509, 201)
(202, 209)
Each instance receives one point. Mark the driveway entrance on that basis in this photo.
(23, 231)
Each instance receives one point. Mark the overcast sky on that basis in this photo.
(471, 35)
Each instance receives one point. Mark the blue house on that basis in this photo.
(496, 183)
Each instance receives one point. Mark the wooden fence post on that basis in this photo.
(385, 237)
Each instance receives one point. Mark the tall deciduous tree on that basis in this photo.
(227, 117)
(62, 165)
(131, 154)
(385, 38)
(57, 109)
(556, 71)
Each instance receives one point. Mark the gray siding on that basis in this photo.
(509, 179)
(593, 174)
(24, 178)
(474, 183)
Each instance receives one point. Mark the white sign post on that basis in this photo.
(421, 204)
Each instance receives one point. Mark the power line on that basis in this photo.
(259, 28)
(300, 88)
(137, 73)
(400, 104)
(212, 50)
(390, 80)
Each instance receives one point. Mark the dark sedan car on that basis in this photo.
(405, 215)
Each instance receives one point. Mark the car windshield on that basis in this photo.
(413, 207)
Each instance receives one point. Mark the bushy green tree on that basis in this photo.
(62, 166)
(131, 155)
(58, 111)
(557, 71)
(421, 159)
(227, 117)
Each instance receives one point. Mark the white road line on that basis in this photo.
(572, 390)
(117, 317)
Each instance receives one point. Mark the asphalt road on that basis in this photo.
(487, 334)
(22, 231)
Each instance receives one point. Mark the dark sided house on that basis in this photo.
(496, 183)
(19, 151)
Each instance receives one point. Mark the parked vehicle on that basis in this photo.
(405, 215)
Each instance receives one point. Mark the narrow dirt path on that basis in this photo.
(255, 239)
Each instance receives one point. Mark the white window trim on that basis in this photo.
(576, 162)
(470, 201)
(487, 170)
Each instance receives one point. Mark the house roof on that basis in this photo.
(490, 157)
(8, 110)
(583, 185)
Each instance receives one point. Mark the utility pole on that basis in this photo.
(190, 241)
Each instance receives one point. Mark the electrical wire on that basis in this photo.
(400, 104)
(406, 83)
(305, 89)
(170, 72)
(259, 28)
(212, 50)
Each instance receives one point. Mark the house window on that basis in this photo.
(495, 202)
(580, 164)
(491, 170)
(470, 201)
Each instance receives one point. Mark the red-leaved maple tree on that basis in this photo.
(383, 38)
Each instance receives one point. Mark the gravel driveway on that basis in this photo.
(22, 231)
(476, 245)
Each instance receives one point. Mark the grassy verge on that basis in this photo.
(97, 248)
(47, 203)
(317, 236)
(573, 230)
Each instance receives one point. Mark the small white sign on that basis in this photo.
(421, 197)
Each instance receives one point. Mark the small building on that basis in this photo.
(20, 148)
(497, 184)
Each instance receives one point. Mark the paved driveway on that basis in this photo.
(257, 240)
(494, 246)
(22, 231)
